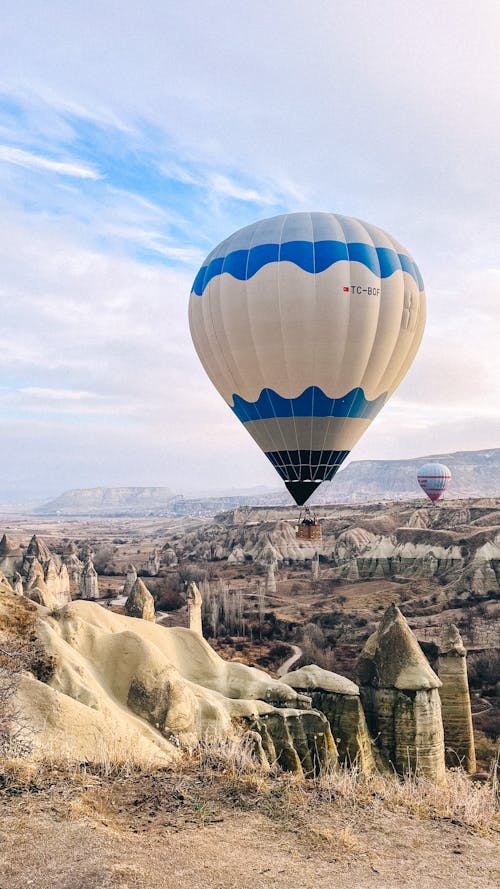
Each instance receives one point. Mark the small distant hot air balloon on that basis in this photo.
(306, 324)
(433, 478)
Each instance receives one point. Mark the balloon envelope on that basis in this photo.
(306, 323)
(433, 478)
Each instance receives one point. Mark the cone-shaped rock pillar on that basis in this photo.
(194, 608)
(129, 580)
(271, 579)
(140, 602)
(400, 694)
(315, 567)
(89, 582)
(455, 701)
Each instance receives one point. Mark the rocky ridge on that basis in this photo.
(112, 678)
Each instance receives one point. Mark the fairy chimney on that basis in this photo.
(315, 567)
(400, 694)
(271, 579)
(140, 602)
(153, 564)
(455, 701)
(194, 608)
(129, 580)
(89, 584)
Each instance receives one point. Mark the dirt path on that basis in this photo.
(129, 836)
(288, 664)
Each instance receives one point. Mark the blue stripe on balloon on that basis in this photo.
(312, 402)
(311, 256)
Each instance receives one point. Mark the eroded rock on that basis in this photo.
(194, 601)
(339, 699)
(140, 602)
(399, 691)
(89, 583)
(455, 701)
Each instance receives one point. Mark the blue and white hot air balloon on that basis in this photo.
(306, 323)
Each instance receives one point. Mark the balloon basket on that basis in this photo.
(308, 527)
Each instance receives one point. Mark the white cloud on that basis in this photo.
(26, 159)
(225, 187)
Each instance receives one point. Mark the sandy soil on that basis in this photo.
(181, 831)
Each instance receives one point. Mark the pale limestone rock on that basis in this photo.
(6, 546)
(270, 579)
(35, 576)
(338, 698)
(351, 543)
(455, 701)
(10, 557)
(194, 601)
(484, 576)
(57, 581)
(299, 741)
(168, 557)
(153, 564)
(38, 549)
(236, 556)
(5, 586)
(140, 602)
(17, 584)
(129, 580)
(352, 574)
(311, 676)
(74, 567)
(89, 584)
(117, 680)
(315, 567)
(401, 700)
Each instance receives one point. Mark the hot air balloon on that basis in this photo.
(306, 323)
(433, 478)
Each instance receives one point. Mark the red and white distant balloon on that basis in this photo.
(433, 478)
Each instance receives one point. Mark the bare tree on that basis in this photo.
(15, 734)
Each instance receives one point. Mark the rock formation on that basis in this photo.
(338, 698)
(34, 582)
(400, 698)
(17, 584)
(168, 556)
(140, 602)
(5, 586)
(121, 685)
(194, 601)
(73, 565)
(44, 576)
(89, 584)
(315, 567)
(153, 564)
(299, 741)
(129, 580)
(38, 549)
(236, 556)
(10, 557)
(419, 519)
(270, 579)
(455, 701)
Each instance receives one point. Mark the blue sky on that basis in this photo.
(132, 140)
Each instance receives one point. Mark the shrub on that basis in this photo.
(15, 656)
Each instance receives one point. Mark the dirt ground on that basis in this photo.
(170, 830)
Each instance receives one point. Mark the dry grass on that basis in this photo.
(158, 828)
(458, 799)
(228, 772)
(228, 764)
